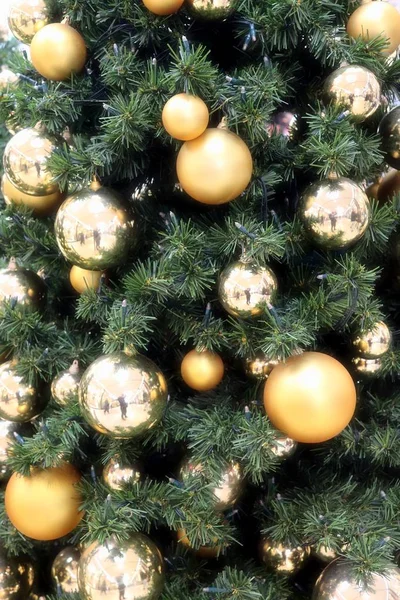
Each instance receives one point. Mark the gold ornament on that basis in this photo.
(116, 475)
(389, 129)
(26, 18)
(283, 447)
(7, 78)
(65, 386)
(311, 397)
(123, 396)
(19, 401)
(245, 289)
(283, 123)
(373, 19)
(7, 430)
(260, 366)
(131, 569)
(45, 505)
(335, 212)
(338, 582)
(282, 557)
(327, 554)
(211, 9)
(16, 577)
(64, 570)
(203, 551)
(83, 279)
(21, 286)
(185, 117)
(202, 370)
(25, 158)
(215, 168)
(93, 230)
(366, 367)
(388, 186)
(40, 205)
(58, 51)
(375, 342)
(163, 7)
(356, 89)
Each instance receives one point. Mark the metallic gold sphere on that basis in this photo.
(7, 430)
(283, 447)
(132, 569)
(65, 386)
(16, 578)
(366, 367)
(373, 19)
(356, 89)
(214, 168)
(203, 551)
(283, 123)
(335, 213)
(83, 279)
(21, 286)
(163, 7)
(245, 289)
(389, 186)
(325, 553)
(185, 117)
(26, 18)
(19, 401)
(389, 129)
(123, 396)
(7, 78)
(281, 557)
(64, 570)
(58, 51)
(260, 366)
(117, 475)
(212, 10)
(202, 371)
(375, 342)
(93, 230)
(41, 206)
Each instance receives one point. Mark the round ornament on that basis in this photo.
(335, 213)
(26, 18)
(83, 279)
(16, 577)
(19, 401)
(282, 557)
(389, 186)
(245, 289)
(356, 89)
(117, 475)
(366, 367)
(325, 553)
(202, 370)
(375, 342)
(283, 447)
(7, 78)
(123, 396)
(260, 366)
(163, 7)
(65, 386)
(42, 206)
(203, 551)
(376, 19)
(185, 117)
(93, 230)
(389, 130)
(214, 168)
(283, 123)
(132, 569)
(45, 505)
(212, 10)
(7, 430)
(311, 397)
(64, 570)
(21, 286)
(58, 51)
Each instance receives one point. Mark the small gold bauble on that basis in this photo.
(16, 577)
(26, 18)
(335, 212)
(202, 371)
(93, 230)
(203, 551)
(375, 342)
(19, 401)
(131, 569)
(185, 117)
(282, 557)
(44, 505)
(21, 286)
(260, 366)
(83, 279)
(117, 475)
(215, 168)
(64, 570)
(211, 9)
(163, 7)
(123, 396)
(283, 447)
(245, 289)
(40, 205)
(376, 19)
(356, 89)
(65, 386)
(366, 367)
(7, 78)
(389, 129)
(58, 51)
(7, 430)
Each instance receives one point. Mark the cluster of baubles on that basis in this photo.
(200, 9)
(370, 345)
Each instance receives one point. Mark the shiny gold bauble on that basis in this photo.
(26, 18)
(83, 279)
(117, 475)
(203, 551)
(58, 51)
(21, 286)
(354, 88)
(366, 367)
(214, 168)
(389, 129)
(19, 401)
(163, 7)
(311, 397)
(202, 371)
(123, 396)
(327, 554)
(389, 186)
(65, 386)
(211, 9)
(185, 117)
(93, 230)
(338, 582)
(376, 19)
(283, 123)
(131, 569)
(16, 577)
(64, 570)
(41, 206)
(245, 289)
(282, 557)
(45, 504)
(260, 366)
(283, 447)
(335, 213)
(375, 342)
(7, 430)
(7, 78)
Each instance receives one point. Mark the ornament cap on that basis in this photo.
(12, 265)
(95, 184)
(74, 368)
(130, 350)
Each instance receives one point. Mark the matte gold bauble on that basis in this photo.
(131, 569)
(7, 430)
(245, 289)
(203, 551)
(19, 401)
(389, 129)
(202, 371)
(117, 475)
(185, 117)
(15, 577)
(335, 213)
(64, 570)
(354, 88)
(123, 396)
(389, 186)
(282, 557)
(26, 18)
(283, 447)
(311, 397)
(376, 19)
(260, 366)
(7, 78)
(84, 279)
(366, 367)
(58, 51)
(93, 230)
(163, 7)
(211, 9)
(44, 505)
(375, 342)
(214, 168)
(21, 286)
(41, 206)
(65, 386)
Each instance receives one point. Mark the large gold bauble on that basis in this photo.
(26, 18)
(19, 401)
(41, 206)
(7, 78)
(338, 582)
(163, 7)
(117, 475)
(45, 505)
(185, 117)
(311, 397)
(123, 396)
(65, 386)
(202, 371)
(356, 89)
(211, 9)
(16, 577)
(132, 569)
(282, 557)
(83, 279)
(64, 570)
(203, 551)
(366, 367)
(21, 286)
(93, 230)
(58, 51)
(215, 168)
(7, 430)
(375, 342)
(373, 19)
(245, 289)
(260, 366)
(335, 213)
(389, 129)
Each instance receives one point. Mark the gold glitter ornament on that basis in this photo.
(64, 570)
(26, 18)
(19, 401)
(389, 130)
(41, 206)
(366, 367)
(22, 286)
(376, 19)
(58, 51)
(16, 577)
(375, 342)
(8, 79)
(65, 386)
(282, 557)
(7, 430)
(260, 366)
(117, 475)
(212, 10)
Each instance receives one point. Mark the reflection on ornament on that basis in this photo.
(282, 557)
(376, 19)
(83, 280)
(116, 475)
(389, 129)
(283, 447)
(261, 366)
(7, 430)
(40, 205)
(19, 401)
(65, 385)
(211, 9)
(58, 51)
(16, 577)
(7, 78)
(185, 117)
(283, 123)
(26, 18)
(22, 287)
(202, 370)
(375, 342)
(64, 570)
(366, 367)
(203, 551)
